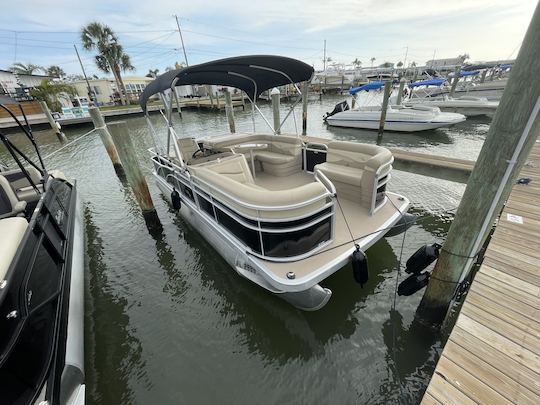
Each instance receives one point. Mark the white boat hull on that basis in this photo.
(396, 120)
(468, 106)
(307, 295)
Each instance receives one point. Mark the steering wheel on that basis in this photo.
(194, 155)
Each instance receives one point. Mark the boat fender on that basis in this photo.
(176, 200)
(405, 222)
(422, 258)
(360, 267)
(413, 283)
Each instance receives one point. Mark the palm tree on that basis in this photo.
(111, 57)
(152, 73)
(55, 71)
(372, 60)
(51, 92)
(28, 69)
(357, 63)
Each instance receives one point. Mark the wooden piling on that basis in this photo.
(120, 135)
(511, 136)
(105, 136)
(210, 95)
(274, 94)
(178, 109)
(400, 91)
(387, 91)
(52, 122)
(483, 77)
(229, 110)
(217, 101)
(455, 81)
(305, 95)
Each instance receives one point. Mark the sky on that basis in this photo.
(44, 32)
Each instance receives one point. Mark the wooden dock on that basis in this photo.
(493, 353)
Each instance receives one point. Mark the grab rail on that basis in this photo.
(329, 185)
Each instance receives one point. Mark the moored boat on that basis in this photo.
(41, 280)
(284, 213)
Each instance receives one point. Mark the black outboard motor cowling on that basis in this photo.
(340, 107)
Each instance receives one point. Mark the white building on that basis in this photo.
(448, 63)
(105, 89)
(19, 85)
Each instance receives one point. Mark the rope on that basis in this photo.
(69, 144)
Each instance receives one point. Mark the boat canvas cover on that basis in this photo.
(366, 87)
(251, 74)
(430, 82)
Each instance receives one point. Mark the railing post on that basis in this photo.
(274, 95)
(305, 93)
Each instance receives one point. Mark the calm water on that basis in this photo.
(167, 320)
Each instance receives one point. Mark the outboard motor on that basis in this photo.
(340, 107)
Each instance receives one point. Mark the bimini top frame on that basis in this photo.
(251, 74)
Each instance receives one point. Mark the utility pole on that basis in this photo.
(90, 92)
(511, 136)
(181, 39)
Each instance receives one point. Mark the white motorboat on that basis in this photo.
(398, 117)
(467, 105)
(283, 213)
(41, 280)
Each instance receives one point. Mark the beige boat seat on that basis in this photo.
(352, 167)
(232, 182)
(12, 231)
(10, 206)
(282, 156)
(20, 184)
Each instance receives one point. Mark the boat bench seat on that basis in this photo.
(12, 231)
(354, 169)
(233, 183)
(282, 156)
(10, 206)
(20, 184)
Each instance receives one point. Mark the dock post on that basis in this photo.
(52, 122)
(229, 110)
(415, 76)
(511, 136)
(99, 124)
(483, 77)
(126, 151)
(274, 95)
(210, 95)
(305, 95)
(455, 81)
(400, 91)
(492, 74)
(387, 91)
(178, 109)
(217, 101)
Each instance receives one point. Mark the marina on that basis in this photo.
(246, 227)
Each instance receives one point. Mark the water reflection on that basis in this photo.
(117, 358)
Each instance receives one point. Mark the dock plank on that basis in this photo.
(494, 348)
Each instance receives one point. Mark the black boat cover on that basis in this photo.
(251, 74)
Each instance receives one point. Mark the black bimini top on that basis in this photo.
(251, 74)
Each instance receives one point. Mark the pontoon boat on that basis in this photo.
(41, 280)
(283, 212)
